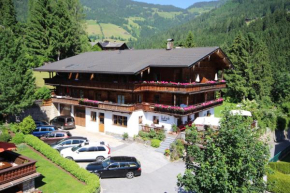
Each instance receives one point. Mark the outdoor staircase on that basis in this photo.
(165, 144)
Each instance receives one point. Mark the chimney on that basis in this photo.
(170, 43)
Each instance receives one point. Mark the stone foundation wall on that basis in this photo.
(39, 112)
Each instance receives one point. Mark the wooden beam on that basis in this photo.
(77, 76)
(174, 103)
(92, 76)
(187, 100)
(70, 75)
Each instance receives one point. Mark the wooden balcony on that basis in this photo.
(90, 84)
(186, 110)
(15, 166)
(175, 88)
(129, 108)
(139, 87)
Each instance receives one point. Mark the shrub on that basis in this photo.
(42, 93)
(160, 136)
(14, 127)
(27, 125)
(177, 150)
(155, 143)
(283, 167)
(125, 136)
(278, 182)
(5, 137)
(174, 128)
(92, 181)
(167, 152)
(152, 134)
(143, 135)
(18, 138)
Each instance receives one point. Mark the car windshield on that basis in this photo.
(106, 162)
(76, 148)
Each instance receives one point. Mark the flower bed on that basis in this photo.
(89, 102)
(178, 83)
(176, 109)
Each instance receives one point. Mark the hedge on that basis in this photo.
(92, 181)
(278, 182)
(283, 167)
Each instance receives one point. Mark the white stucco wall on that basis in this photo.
(204, 113)
(164, 120)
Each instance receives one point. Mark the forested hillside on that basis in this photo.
(128, 19)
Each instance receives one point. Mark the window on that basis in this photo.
(156, 98)
(93, 149)
(75, 141)
(124, 165)
(43, 129)
(67, 142)
(121, 99)
(93, 116)
(155, 119)
(120, 120)
(83, 150)
(81, 94)
(140, 119)
(59, 135)
(139, 98)
(70, 120)
(100, 148)
(114, 165)
(132, 164)
(50, 135)
(208, 113)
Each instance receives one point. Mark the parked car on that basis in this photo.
(55, 136)
(42, 130)
(63, 122)
(69, 142)
(117, 166)
(85, 151)
(40, 123)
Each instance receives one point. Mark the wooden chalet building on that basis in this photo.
(120, 91)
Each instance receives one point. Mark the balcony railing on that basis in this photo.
(143, 106)
(21, 166)
(186, 110)
(141, 86)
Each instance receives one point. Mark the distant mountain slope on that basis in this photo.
(137, 18)
(134, 19)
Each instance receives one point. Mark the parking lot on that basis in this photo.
(158, 173)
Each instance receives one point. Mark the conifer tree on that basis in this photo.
(16, 79)
(237, 78)
(189, 43)
(7, 13)
(38, 32)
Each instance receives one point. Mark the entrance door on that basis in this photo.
(101, 122)
(80, 116)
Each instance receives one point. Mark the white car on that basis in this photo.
(92, 151)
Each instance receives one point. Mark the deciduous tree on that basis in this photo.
(232, 159)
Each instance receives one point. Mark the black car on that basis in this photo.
(63, 122)
(117, 166)
(69, 142)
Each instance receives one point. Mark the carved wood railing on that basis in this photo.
(24, 167)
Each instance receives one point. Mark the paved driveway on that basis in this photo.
(158, 173)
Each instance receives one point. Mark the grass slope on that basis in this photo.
(54, 179)
(218, 110)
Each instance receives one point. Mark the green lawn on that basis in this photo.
(54, 179)
(39, 78)
(218, 110)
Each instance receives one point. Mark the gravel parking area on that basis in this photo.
(158, 173)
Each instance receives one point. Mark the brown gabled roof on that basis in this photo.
(129, 61)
